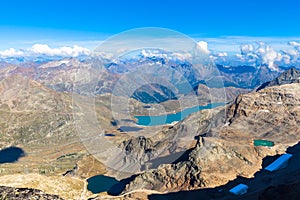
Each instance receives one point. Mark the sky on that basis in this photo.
(68, 22)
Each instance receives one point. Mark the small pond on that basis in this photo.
(265, 143)
(11, 154)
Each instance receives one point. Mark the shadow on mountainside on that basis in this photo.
(281, 184)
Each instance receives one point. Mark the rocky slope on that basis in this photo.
(33, 114)
(38, 122)
(65, 187)
(162, 145)
(225, 94)
(246, 76)
(227, 149)
(24, 193)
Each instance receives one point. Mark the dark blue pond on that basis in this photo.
(101, 183)
(168, 119)
(109, 134)
(112, 186)
(11, 154)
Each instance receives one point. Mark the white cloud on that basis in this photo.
(257, 53)
(296, 50)
(247, 48)
(292, 52)
(44, 49)
(233, 44)
(286, 59)
(11, 52)
(222, 54)
(165, 55)
(61, 51)
(202, 45)
(268, 55)
(294, 44)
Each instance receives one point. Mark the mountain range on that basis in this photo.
(42, 102)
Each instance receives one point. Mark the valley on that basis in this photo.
(69, 132)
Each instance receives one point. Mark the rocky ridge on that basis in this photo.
(290, 76)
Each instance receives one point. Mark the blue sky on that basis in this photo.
(31, 21)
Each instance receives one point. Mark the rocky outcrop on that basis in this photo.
(270, 113)
(25, 193)
(161, 145)
(212, 162)
(138, 150)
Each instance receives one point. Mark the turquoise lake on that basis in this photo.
(173, 117)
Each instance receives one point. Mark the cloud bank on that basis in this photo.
(11, 52)
(274, 52)
(44, 49)
(261, 53)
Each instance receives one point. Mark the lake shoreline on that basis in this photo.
(167, 119)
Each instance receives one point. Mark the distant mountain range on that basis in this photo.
(290, 76)
(74, 74)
